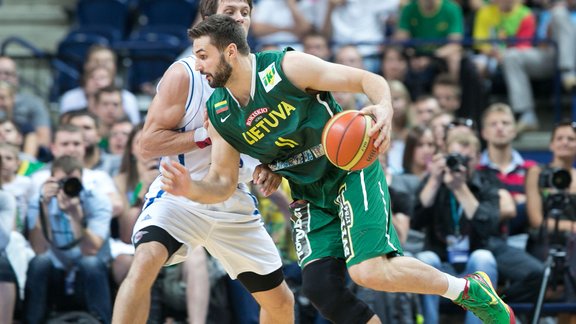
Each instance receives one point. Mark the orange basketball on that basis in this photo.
(346, 142)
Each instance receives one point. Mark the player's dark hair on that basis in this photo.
(223, 31)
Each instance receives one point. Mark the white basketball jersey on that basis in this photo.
(197, 161)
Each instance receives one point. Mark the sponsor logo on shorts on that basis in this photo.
(300, 222)
(346, 223)
(138, 236)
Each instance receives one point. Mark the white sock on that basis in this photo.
(455, 287)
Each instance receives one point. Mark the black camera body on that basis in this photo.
(556, 178)
(455, 160)
(71, 186)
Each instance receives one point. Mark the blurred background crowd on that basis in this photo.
(480, 167)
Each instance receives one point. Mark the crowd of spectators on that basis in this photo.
(463, 198)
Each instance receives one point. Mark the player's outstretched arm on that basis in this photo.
(218, 185)
(310, 73)
(160, 136)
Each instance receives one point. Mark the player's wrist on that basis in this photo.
(201, 137)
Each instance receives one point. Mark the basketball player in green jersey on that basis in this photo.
(273, 106)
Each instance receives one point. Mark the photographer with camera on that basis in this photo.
(458, 214)
(75, 223)
(549, 187)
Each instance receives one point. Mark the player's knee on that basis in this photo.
(282, 302)
(146, 264)
(371, 273)
(324, 284)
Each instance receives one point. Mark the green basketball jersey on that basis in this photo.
(280, 126)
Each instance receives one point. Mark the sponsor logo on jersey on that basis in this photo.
(265, 125)
(223, 119)
(221, 106)
(269, 77)
(255, 114)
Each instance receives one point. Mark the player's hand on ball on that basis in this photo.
(175, 178)
(383, 125)
(267, 180)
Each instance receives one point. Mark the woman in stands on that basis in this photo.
(550, 195)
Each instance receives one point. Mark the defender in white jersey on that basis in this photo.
(169, 227)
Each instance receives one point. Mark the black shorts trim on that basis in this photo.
(154, 233)
(255, 282)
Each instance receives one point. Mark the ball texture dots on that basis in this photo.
(346, 141)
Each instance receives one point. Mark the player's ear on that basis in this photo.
(231, 50)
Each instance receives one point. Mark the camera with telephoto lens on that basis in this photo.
(556, 178)
(455, 160)
(71, 186)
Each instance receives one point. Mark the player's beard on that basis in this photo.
(222, 74)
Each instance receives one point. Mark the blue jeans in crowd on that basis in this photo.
(479, 260)
(90, 287)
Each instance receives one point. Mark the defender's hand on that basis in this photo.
(175, 179)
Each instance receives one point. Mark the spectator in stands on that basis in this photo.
(10, 134)
(400, 123)
(500, 158)
(118, 137)
(425, 20)
(18, 185)
(458, 214)
(447, 91)
(563, 28)
(316, 44)
(439, 123)
(349, 55)
(8, 281)
(419, 151)
(69, 140)
(505, 20)
(28, 109)
(541, 62)
(107, 106)
(101, 55)
(433, 19)
(461, 126)
(75, 222)
(281, 23)
(94, 78)
(395, 66)
(7, 101)
(423, 108)
(360, 22)
(95, 157)
(540, 194)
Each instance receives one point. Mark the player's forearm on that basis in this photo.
(377, 89)
(160, 143)
(209, 192)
